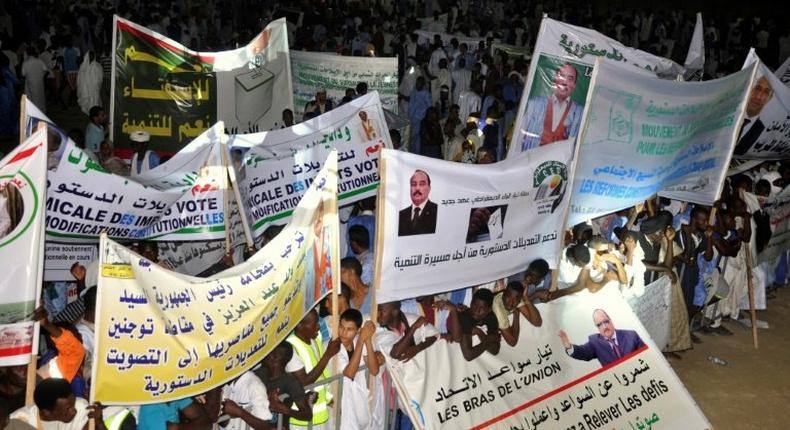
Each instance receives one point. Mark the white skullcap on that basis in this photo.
(140, 136)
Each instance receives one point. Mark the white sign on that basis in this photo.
(645, 135)
(280, 165)
(539, 385)
(23, 175)
(445, 225)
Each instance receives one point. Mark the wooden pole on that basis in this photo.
(22, 118)
(750, 283)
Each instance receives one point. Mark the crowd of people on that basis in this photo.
(461, 101)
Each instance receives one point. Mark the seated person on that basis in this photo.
(464, 325)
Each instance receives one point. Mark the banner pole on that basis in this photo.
(225, 195)
(750, 284)
(22, 118)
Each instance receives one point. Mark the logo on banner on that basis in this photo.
(19, 205)
(551, 179)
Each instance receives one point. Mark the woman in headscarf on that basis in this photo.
(89, 80)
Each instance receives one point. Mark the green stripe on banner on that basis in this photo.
(187, 230)
(290, 212)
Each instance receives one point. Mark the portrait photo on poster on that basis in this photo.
(11, 208)
(607, 345)
(556, 102)
(486, 223)
(420, 216)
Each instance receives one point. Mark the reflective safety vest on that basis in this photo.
(305, 353)
(114, 422)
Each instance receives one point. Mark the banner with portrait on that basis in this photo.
(562, 375)
(646, 136)
(559, 76)
(175, 94)
(314, 71)
(273, 170)
(23, 180)
(765, 130)
(163, 336)
(443, 225)
(182, 199)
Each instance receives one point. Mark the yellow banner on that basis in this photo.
(162, 336)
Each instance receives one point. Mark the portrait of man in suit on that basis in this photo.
(752, 126)
(608, 345)
(420, 216)
(554, 117)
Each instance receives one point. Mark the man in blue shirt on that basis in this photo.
(95, 131)
(157, 416)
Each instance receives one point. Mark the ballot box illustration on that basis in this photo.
(253, 90)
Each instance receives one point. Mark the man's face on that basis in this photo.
(604, 324)
(363, 115)
(101, 118)
(347, 276)
(288, 117)
(761, 94)
(386, 314)
(479, 309)
(564, 82)
(510, 299)
(348, 330)
(64, 410)
(309, 325)
(420, 188)
(320, 97)
(701, 221)
(531, 278)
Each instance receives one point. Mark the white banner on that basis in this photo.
(476, 223)
(174, 93)
(765, 130)
(778, 209)
(652, 309)
(560, 70)
(278, 166)
(783, 72)
(163, 336)
(695, 58)
(313, 71)
(645, 136)
(59, 257)
(182, 199)
(23, 177)
(538, 385)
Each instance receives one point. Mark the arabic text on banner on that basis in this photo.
(538, 385)
(560, 70)
(778, 209)
(175, 94)
(162, 336)
(468, 231)
(765, 130)
(278, 166)
(646, 136)
(22, 186)
(182, 199)
(313, 71)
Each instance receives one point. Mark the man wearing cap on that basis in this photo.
(318, 106)
(655, 234)
(143, 159)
